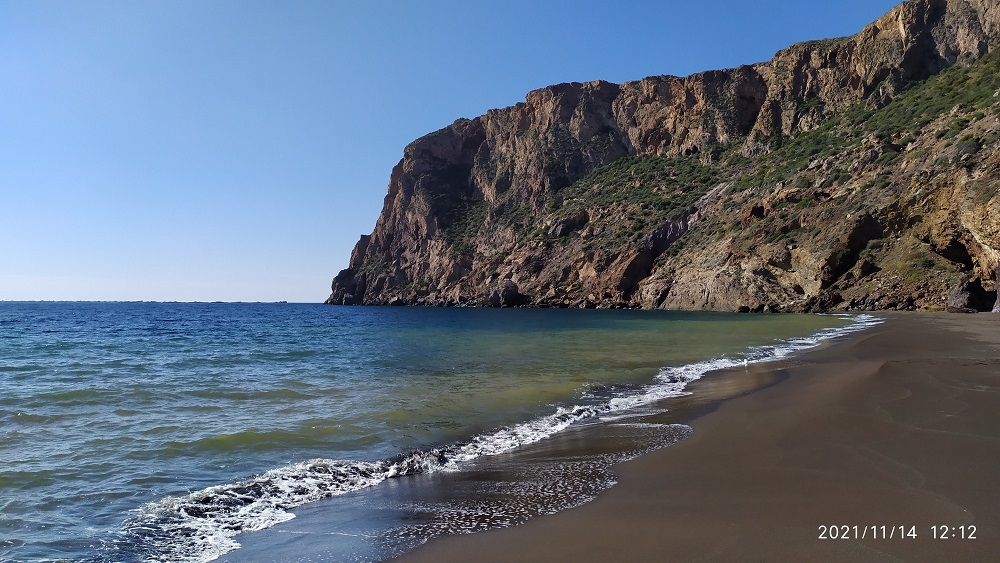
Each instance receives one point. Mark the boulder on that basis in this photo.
(968, 296)
(569, 224)
(506, 294)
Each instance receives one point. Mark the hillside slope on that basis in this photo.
(859, 172)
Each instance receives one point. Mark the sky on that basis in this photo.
(192, 150)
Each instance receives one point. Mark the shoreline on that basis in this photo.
(472, 499)
(892, 428)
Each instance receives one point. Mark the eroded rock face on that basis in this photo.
(453, 222)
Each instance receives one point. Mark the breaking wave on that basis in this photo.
(202, 525)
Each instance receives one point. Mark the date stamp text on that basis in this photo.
(901, 531)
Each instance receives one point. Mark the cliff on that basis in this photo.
(858, 172)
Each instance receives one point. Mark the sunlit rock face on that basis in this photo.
(786, 185)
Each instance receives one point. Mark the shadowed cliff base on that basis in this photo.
(850, 173)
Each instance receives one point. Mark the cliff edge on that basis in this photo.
(858, 172)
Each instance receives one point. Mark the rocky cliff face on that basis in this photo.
(833, 175)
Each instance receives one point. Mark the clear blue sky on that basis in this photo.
(235, 150)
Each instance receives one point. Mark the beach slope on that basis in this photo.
(893, 430)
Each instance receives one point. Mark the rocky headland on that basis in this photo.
(852, 173)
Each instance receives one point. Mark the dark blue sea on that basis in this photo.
(178, 431)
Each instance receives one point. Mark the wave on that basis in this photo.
(202, 525)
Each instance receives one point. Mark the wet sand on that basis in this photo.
(894, 428)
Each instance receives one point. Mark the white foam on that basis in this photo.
(200, 526)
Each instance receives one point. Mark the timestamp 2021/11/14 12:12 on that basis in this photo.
(876, 532)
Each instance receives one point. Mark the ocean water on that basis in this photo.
(175, 431)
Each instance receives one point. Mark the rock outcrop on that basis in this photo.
(506, 295)
(963, 298)
(676, 192)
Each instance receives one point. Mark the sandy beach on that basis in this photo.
(892, 431)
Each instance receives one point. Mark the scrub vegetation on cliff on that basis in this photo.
(857, 173)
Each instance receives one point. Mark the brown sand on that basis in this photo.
(897, 426)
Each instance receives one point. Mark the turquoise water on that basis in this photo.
(158, 431)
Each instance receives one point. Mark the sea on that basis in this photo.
(188, 432)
